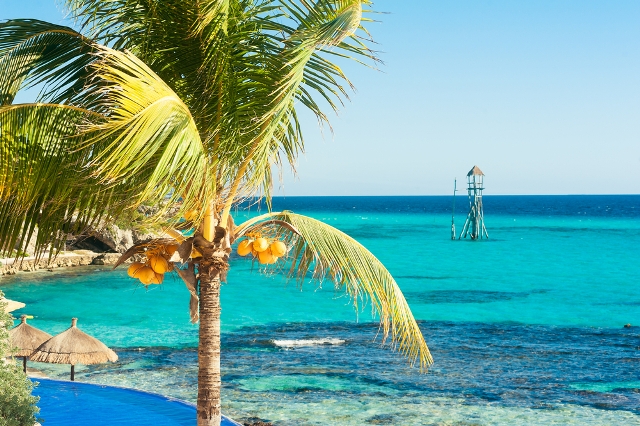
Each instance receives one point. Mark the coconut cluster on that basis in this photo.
(267, 252)
(152, 271)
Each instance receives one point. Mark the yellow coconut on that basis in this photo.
(260, 245)
(254, 253)
(278, 248)
(145, 275)
(133, 269)
(159, 264)
(244, 248)
(266, 258)
(157, 279)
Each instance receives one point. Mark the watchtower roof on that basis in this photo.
(475, 171)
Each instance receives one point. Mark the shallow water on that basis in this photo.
(524, 328)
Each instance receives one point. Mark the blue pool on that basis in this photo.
(73, 403)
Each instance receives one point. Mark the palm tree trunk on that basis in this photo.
(209, 347)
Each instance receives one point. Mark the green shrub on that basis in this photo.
(17, 405)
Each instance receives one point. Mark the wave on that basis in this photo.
(297, 343)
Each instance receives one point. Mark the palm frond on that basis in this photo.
(34, 52)
(212, 17)
(287, 58)
(297, 40)
(160, 33)
(150, 139)
(319, 251)
(43, 180)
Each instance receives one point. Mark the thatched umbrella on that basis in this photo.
(11, 305)
(27, 339)
(73, 347)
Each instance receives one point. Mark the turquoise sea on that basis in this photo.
(525, 328)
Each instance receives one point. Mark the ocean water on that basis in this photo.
(525, 328)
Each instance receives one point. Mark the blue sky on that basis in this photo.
(543, 96)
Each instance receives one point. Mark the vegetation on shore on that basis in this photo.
(17, 405)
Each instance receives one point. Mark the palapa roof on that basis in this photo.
(475, 171)
(11, 305)
(26, 338)
(73, 347)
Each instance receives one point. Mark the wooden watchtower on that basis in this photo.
(474, 225)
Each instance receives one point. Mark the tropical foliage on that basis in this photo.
(184, 107)
(17, 405)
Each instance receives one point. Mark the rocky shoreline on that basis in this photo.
(92, 247)
(67, 259)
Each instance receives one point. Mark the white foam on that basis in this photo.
(307, 342)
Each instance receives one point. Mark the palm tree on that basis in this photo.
(181, 109)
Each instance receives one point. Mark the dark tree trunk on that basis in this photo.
(209, 346)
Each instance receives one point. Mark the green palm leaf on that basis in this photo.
(44, 181)
(34, 52)
(319, 251)
(290, 68)
(150, 139)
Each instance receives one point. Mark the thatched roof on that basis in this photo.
(11, 305)
(475, 171)
(26, 338)
(73, 347)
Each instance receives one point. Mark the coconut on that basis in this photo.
(266, 258)
(157, 279)
(146, 275)
(244, 248)
(159, 264)
(278, 248)
(171, 248)
(260, 245)
(134, 268)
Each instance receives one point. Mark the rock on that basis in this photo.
(627, 326)
(111, 258)
(110, 239)
(106, 259)
(118, 240)
(79, 258)
(107, 239)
